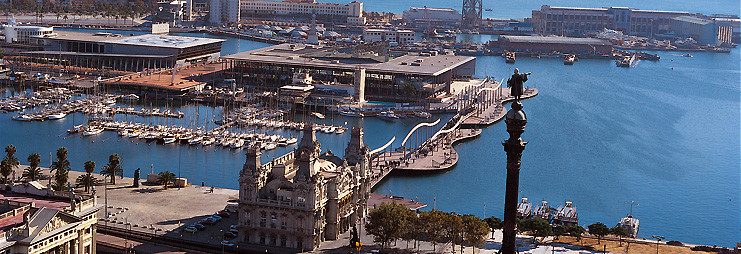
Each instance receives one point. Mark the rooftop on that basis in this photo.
(555, 40)
(164, 41)
(150, 40)
(298, 54)
(693, 20)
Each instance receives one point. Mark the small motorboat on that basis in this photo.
(388, 115)
(687, 55)
(92, 131)
(318, 115)
(351, 113)
(56, 116)
(291, 141)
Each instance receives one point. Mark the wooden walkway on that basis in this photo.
(439, 154)
(491, 112)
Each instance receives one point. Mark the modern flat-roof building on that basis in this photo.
(389, 35)
(580, 21)
(549, 44)
(352, 12)
(408, 77)
(26, 34)
(705, 30)
(125, 53)
(438, 17)
(35, 219)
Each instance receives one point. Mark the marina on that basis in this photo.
(560, 91)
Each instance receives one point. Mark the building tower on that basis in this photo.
(515, 120)
(471, 14)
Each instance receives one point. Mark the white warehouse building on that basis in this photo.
(397, 36)
(353, 11)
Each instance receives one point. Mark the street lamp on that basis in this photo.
(658, 239)
(222, 240)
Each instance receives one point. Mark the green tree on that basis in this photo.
(10, 151)
(559, 230)
(166, 178)
(88, 179)
(475, 230)
(387, 222)
(432, 224)
(33, 172)
(5, 169)
(538, 226)
(576, 231)
(61, 168)
(113, 168)
(494, 222)
(599, 230)
(453, 230)
(620, 232)
(412, 231)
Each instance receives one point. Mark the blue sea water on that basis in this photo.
(664, 134)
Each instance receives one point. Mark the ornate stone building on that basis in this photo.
(303, 197)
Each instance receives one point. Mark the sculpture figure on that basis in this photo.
(515, 83)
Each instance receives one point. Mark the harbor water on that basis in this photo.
(664, 134)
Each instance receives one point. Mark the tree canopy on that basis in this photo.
(388, 222)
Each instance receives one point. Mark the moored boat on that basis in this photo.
(92, 131)
(388, 115)
(569, 59)
(56, 116)
(630, 224)
(351, 113)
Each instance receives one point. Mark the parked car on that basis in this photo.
(191, 229)
(216, 217)
(226, 243)
(199, 226)
(230, 234)
(209, 221)
(223, 213)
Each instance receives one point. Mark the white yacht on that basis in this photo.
(56, 116)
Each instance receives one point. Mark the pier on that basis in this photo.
(483, 106)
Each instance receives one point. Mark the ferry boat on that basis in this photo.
(569, 59)
(543, 211)
(92, 131)
(524, 209)
(566, 214)
(388, 115)
(351, 113)
(56, 116)
(630, 224)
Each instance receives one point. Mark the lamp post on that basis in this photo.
(658, 239)
(515, 120)
(222, 240)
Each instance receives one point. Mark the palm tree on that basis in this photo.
(113, 168)
(62, 163)
(65, 18)
(10, 150)
(61, 168)
(5, 169)
(88, 179)
(166, 178)
(33, 172)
